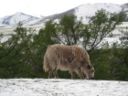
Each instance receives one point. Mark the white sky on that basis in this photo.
(45, 7)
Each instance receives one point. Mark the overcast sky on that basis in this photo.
(45, 7)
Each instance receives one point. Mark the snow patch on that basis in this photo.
(62, 87)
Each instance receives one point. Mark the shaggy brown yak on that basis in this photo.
(68, 58)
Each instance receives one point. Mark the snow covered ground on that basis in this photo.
(62, 87)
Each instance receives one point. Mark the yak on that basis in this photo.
(71, 58)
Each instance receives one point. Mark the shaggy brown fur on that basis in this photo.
(67, 58)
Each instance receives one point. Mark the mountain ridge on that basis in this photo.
(15, 18)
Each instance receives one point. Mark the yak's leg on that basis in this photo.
(50, 74)
(85, 76)
(80, 74)
(72, 74)
(55, 74)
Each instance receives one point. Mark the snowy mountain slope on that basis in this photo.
(16, 18)
(62, 87)
(89, 10)
(86, 10)
(125, 7)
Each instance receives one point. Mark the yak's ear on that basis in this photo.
(89, 66)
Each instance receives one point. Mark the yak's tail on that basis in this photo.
(46, 66)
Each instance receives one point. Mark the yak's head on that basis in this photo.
(84, 63)
(88, 70)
